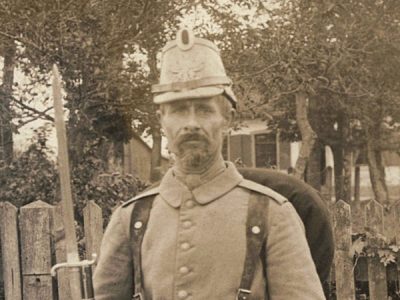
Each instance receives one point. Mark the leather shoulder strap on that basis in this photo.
(138, 225)
(254, 186)
(151, 192)
(256, 234)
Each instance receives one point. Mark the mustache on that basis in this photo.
(192, 137)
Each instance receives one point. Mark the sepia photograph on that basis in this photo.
(199, 150)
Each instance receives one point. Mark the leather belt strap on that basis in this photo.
(255, 241)
(191, 84)
(139, 220)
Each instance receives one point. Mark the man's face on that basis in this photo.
(194, 129)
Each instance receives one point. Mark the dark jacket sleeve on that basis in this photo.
(310, 207)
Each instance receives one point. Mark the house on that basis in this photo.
(253, 144)
(137, 158)
(257, 146)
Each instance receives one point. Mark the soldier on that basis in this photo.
(204, 232)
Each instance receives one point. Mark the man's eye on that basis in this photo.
(178, 109)
(205, 109)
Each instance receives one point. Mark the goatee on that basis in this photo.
(195, 158)
(194, 150)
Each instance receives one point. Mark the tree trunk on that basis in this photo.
(308, 136)
(357, 186)
(6, 138)
(347, 174)
(155, 165)
(313, 173)
(337, 151)
(377, 174)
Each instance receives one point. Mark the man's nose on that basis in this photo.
(192, 123)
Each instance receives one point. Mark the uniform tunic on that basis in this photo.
(195, 245)
(311, 208)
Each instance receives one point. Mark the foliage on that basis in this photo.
(33, 176)
(93, 43)
(108, 190)
(334, 53)
(328, 50)
(90, 41)
(372, 244)
(343, 56)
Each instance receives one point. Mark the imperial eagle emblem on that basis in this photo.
(187, 68)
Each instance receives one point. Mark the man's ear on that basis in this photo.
(159, 115)
(229, 121)
(232, 116)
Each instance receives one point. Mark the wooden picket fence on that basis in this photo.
(376, 273)
(32, 242)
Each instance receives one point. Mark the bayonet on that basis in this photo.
(78, 269)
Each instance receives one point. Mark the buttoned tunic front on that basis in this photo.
(195, 246)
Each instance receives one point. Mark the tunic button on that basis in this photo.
(187, 224)
(182, 294)
(255, 229)
(138, 225)
(185, 246)
(183, 270)
(190, 204)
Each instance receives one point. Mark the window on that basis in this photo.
(265, 147)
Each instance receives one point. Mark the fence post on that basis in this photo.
(396, 212)
(93, 226)
(343, 261)
(10, 251)
(63, 288)
(36, 255)
(376, 270)
(357, 184)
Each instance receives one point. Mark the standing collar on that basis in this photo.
(174, 191)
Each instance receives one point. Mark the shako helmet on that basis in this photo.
(191, 68)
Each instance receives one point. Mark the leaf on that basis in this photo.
(357, 247)
(394, 248)
(386, 257)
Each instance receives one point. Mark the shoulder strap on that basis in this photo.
(255, 240)
(139, 219)
(151, 192)
(262, 189)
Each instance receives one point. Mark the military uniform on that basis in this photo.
(194, 246)
(216, 237)
(311, 208)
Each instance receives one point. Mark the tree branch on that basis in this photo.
(23, 123)
(260, 71)
(41, 114)
(346, 94)
(21, 40)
